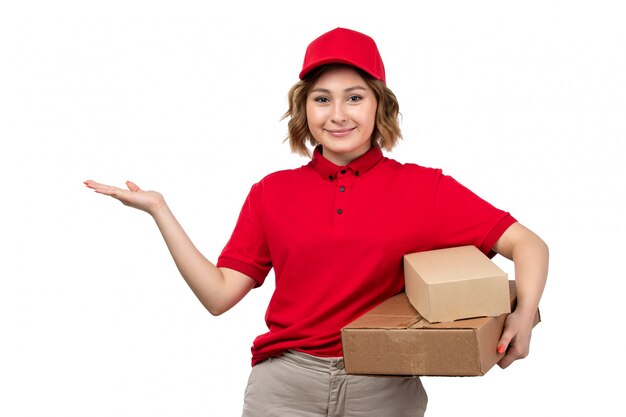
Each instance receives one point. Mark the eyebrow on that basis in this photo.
(347, 90)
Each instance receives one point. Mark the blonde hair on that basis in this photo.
(386, 127)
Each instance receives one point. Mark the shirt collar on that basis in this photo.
(359, 166)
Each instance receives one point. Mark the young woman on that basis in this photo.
(335, 231)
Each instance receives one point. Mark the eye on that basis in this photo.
(322, 99)
(354, 98)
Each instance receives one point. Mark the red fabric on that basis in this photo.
(331, 268)
(344, 46)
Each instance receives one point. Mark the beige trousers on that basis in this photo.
(299, 385)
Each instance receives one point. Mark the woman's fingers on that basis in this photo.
(132, 186)
(90, 184)
(110, 189)
(99, 188)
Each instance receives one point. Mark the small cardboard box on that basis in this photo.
(393, 339)
(455, 283)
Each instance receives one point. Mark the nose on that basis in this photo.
(338, 114)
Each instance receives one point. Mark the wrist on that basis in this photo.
(159, 208)
(526, 312)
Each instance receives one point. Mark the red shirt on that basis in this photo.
(335, 237)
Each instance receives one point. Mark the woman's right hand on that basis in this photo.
(148, 201)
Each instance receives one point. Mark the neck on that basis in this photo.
(343, 159)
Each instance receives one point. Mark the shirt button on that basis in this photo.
(356, 173)
(339, 211)
(343, 171)
(342, 189)
(330, 177)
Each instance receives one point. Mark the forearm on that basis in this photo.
(203, 277)
(531, 270)
(530, 257)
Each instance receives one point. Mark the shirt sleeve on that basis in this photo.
(247, 250)
(464, 218)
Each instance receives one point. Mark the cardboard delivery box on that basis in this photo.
(455, 283)
(393, 339)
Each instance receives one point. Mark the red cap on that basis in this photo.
(344, 46)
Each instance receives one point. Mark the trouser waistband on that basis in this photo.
(316, 363)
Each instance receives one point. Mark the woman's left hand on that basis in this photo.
(514, 343)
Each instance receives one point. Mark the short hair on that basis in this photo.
(386, 127)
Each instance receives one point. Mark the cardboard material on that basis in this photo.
(393, 339)
(455, 283)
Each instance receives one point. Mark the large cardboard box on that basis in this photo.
(393, 339)
(455, 283)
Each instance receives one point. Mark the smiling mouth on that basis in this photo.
(339, 133)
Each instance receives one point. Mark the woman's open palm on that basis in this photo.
(134, 196)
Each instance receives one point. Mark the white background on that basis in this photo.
(523, 102)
